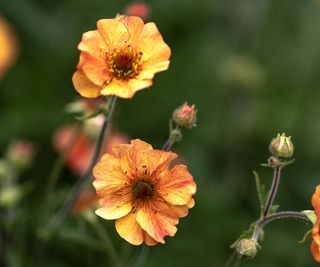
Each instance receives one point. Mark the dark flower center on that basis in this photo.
(142, 189)
(124, 62)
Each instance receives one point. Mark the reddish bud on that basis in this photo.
(185, 116)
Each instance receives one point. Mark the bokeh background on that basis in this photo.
(252, 70)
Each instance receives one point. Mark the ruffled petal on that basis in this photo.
(177, 186)
(120, 88)
(115, 205)
(134, 26)
(159, 219)
(84, 86)
(112, 31)
(315, 201)
(315, 251)
(128, 228)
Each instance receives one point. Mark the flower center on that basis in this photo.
(124, 62)
(142, 189)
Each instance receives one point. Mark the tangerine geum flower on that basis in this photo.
(8, 47)
(315, 245)
(136, 187)
(120, 58)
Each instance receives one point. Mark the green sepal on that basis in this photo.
(311, 216)
(245, 235)
(307, 235)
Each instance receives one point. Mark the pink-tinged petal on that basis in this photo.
(128, 228)
(177, 187)
(149, 240)
(96, 71)
(114, 206)
(134, 26)
(315, 201)
(112, 31)
(84, 86)
(158, 219)
(93, 44)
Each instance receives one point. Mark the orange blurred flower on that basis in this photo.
(120, 57)
(137, 188)
(8, 47)
(139, 9)
(315, 246)
(82, 145)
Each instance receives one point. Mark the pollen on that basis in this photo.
(142, 189)
(124, 62)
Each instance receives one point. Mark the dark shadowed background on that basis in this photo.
(252, 70)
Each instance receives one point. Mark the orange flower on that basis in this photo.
(137, 188)
(315, 246)
(8, 47)
(120, 57)
(82, 146)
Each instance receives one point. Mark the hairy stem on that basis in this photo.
(273, 191)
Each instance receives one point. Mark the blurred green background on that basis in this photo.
(252, 70)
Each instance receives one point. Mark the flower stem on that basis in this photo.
(234, 259)
(273, 191)
(63, 213)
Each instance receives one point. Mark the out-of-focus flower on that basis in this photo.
(242, 71)
(185, 116)
(82, 144)
(138, 9)
(281, 146)
(20, 154)
(137, 188)
(8, 47)
(120, 58)
(315, 246)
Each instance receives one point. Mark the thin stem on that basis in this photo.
(282, 215)
(141, 258)
(82, 182)
(273, 191)
(234, 259)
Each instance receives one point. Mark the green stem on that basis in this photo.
(273, 191)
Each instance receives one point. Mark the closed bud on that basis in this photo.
(281, 146)
(185, 116)
(247, 247)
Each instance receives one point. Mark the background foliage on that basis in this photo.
(251, 68)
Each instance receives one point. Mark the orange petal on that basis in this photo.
(84, 86)
(315, 201)
(316, 233)
(191, 204)
(158, 219)
(112, 31)
(315, 251)
(128, 228)
(93, 44)
(108, 175)
(156, 52)
(115, 205)
(95, 70)
(118, 88)
(177, 187)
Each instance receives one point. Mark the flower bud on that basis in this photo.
(247, 247)
(185, 116)
(20, 154)
(281, 146)
(139, 9)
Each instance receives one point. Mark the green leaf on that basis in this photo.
(261, 191)
(274, 209)
(311, 215)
